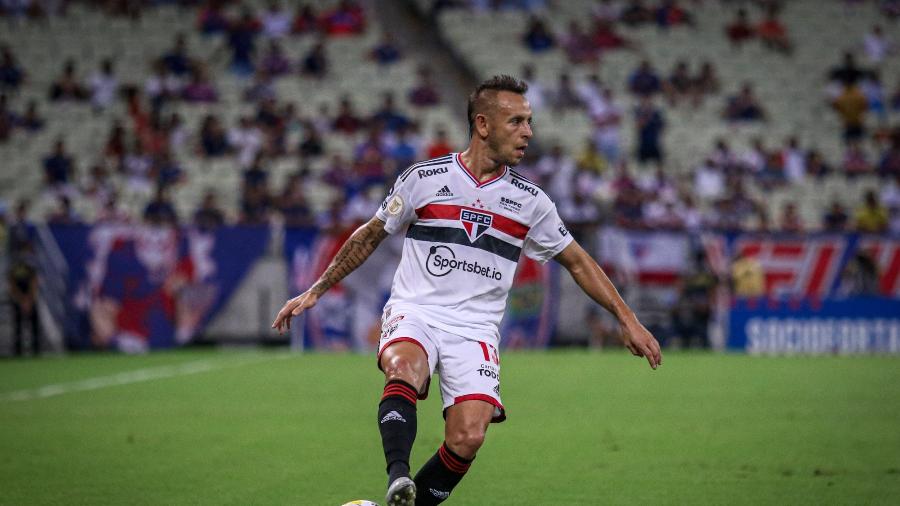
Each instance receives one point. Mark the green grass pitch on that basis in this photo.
(584, 428)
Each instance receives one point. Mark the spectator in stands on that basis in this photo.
(709, 181)
(305, 20)
(340, 177)
(848, 72)
(790, 219)
(565, 96)
(255, 205)
(97, 185)
(856, 162)
(870, 85)
(671, 13)
(636, 13)
(31, 119)
(424, 93)
(581, 216)
(63, 214)
(59, 169)
(605, 37)
(213, 138)
(371, 167)
(705, 82)
(607, 116)
(274, 62)
(747, 276)
(890, 9)
(22, 279)
(835, 218)
(386, 52)
(104, 86)
(159, 212)
(293, 205)
(591, 160)
(68, 86)
(11, 73)
(740, 30)
(577, 44)
(246, 138)
(650, 125)
(644, 82)
(347, 18)
(773, 33)
(347, 121)
(276, 21)
(744, 106)
(536, 93)
(877, 45)
(209, 215)
(607, 10)
(312, 145)
(851, 105)
(176, 60)
(390, 118)
(8, 119)
(889, 164)
(679, 84)
(793, 159)
(404, 150)
(860, 276)
(137, 167)
(440, 146)
(167, 170)
(162, 86)
(315, 62)
(556, 174)
(255, 175)
(754, 159)
(815, 165)
(199, 89)
(628, 210)
(694, 305)
(241, 40)
(211, 18)
(538, 38)
(871, 216)
(262, 89)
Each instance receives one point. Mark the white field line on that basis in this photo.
(135, 376)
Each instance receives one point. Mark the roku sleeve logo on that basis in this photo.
(522, 186)
(423, 173)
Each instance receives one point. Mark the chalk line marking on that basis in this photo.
(135, 376)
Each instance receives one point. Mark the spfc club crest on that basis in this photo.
(475, 223)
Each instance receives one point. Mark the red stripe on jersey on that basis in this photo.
(479, 184)
(452, 212)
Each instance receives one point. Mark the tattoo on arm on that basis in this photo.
(351, 255)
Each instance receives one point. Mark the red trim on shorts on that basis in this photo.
(486, 398)
(487, 356)
(422, 395)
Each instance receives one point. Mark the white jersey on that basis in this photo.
(463, 241)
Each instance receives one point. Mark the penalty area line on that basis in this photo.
(130, 377)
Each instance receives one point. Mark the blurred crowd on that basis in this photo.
(598, 185)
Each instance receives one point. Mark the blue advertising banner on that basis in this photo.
(833, 326)
(133, 288)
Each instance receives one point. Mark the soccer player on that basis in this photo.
(467, 218)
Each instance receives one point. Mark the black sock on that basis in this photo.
(439, 476)
(397, 423)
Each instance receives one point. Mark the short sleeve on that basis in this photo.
(398, 209)
(547, 237)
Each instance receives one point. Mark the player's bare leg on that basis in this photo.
(405, 367)
(466, 425)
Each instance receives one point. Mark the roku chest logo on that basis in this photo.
(475, 223)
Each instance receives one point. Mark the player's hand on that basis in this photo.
(292, 308)
(641, 343)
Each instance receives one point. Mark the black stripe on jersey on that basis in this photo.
(523, 178)
(486, 242)
(432, 161)
(422, 165)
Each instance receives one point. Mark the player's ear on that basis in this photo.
(481, 126)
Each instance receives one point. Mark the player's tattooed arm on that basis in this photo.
(591, 278)
(352, 254)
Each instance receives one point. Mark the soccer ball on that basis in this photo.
(360, 502)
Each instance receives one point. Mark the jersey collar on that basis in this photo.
(473, 179)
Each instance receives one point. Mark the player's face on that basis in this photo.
(510, 128)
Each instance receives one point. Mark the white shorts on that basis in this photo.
(468, 369)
